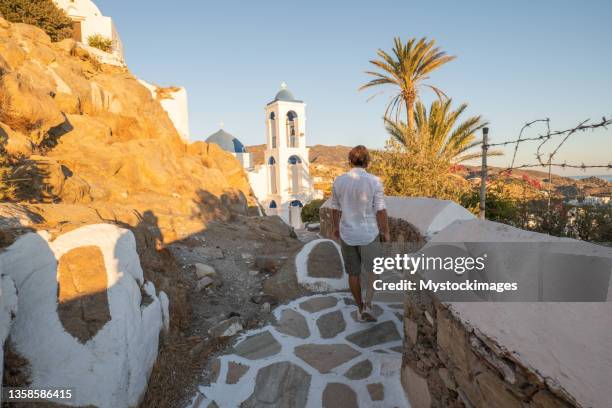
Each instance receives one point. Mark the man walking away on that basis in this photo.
(360, 223)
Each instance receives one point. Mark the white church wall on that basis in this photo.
(281, 175)
(258, 179)
(178, 111)
(97, 25)
(176, 106)
(79, 8)
(244, 159)
(92, 22)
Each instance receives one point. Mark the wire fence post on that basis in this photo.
(483, 173)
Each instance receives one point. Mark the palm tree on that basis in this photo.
(439, 137)
(407, 68)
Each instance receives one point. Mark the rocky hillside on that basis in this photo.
(86, 142)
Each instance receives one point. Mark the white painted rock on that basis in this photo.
(106, 356)
(313, 280)
(428, 215)
(8, 309)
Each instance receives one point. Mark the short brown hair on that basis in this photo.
(359, 156)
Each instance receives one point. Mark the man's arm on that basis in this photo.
(381, 212)
(383, 225)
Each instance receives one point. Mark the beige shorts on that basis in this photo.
(359, 257)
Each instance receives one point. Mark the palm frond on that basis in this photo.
(406, 67)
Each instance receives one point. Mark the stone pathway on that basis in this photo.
(316, 355)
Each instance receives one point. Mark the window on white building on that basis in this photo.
(272, 124)
(292, 129)
(272, 167)
(294, 172)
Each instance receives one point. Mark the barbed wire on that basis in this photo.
(544, 138)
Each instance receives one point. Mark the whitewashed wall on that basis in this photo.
(112, 368)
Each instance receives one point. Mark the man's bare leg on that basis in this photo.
(355, 285)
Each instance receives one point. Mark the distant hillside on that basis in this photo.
(319, 154)
(329, 161)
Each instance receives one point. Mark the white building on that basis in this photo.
(175, 102)
(282, 184)
(88, 20)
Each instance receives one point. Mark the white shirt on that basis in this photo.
(359, 195)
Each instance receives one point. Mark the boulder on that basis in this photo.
(270, 263)
(203, 270)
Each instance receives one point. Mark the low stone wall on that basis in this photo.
(447, 363)
(513, 354)
(481, 355)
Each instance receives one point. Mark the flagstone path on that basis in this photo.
(316, 355)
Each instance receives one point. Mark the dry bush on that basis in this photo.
(100, 42)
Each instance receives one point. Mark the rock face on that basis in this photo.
(89, 320)
(89, 133)
(280, 385)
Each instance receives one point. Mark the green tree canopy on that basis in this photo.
(41, 13)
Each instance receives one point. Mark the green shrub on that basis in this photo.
(310, 212)
(100, 42)
(410, 174)
(41, 13)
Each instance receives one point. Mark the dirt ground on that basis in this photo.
(236, 250)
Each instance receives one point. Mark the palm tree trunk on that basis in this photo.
(410, 113)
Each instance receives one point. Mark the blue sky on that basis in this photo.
(516, 61)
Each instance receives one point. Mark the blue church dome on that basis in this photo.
(284, 95)
(227, 142)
